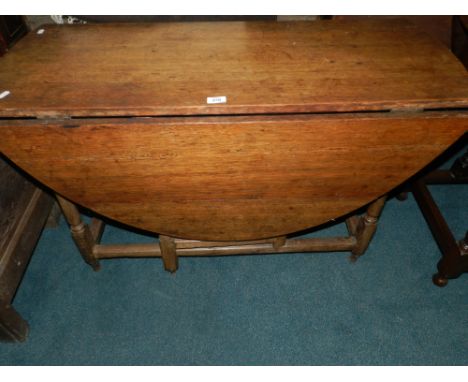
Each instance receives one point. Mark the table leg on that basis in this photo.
(454, 255)
(366, 227)
(452, 264)
(80, 232)
(454, 259)
(87, 238)
(168, 253)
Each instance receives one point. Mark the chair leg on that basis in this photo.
(366, 227)
(80, 232)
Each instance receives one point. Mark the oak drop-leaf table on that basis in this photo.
(228, 137)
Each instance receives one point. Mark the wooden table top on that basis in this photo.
(260, 67)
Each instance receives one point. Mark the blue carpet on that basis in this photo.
(310, 309)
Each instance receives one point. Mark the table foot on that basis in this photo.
(439, 280)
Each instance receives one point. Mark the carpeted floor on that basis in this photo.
(311, 309)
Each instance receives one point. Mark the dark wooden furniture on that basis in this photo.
(459, 41)
(454, 259)
(12, 28)
(454, 253)
(24, 209)
(226, 138)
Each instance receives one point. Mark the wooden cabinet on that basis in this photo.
(24, 209)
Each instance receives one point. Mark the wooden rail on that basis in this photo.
(360, 228)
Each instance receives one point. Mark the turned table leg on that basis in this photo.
(366, 227)
(80, 232)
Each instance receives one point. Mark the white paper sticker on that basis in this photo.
(4, 94)
(221, 99)
(40, 31)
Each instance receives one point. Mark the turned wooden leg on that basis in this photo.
(12, 326)
(168, 253)
(366, 227)
(80, 232)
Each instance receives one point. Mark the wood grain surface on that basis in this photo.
(261, 67)
(185, 172)
(229, 178)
